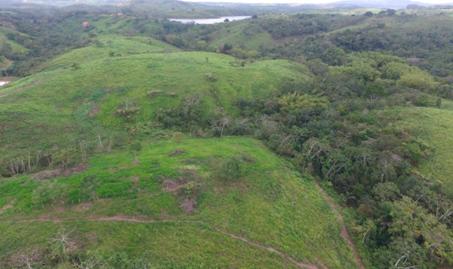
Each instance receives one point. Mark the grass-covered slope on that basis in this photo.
(435, 128)
(110, 46)
(178, 203)
(75, 100)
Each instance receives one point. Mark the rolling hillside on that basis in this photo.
(130, 141)
(82, 98)
(120, 190)
(434, 127)
(171, 205)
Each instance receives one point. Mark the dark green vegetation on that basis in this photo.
(133, 140)
(424, 39)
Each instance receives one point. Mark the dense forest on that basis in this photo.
(350, 99)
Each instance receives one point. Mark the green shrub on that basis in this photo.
(230, 169)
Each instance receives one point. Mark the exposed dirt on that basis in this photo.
(24, 259)
(135, 180)
(170, 185)
(176, 152)
(344, 231)
(188, 202)
(48, 174)
(189, 205)
(94, 111)
(122, 218)
(82, 207)
(5, 207)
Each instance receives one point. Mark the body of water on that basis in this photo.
(211, 20)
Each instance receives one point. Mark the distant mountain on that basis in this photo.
(394, 4)
(381, 3)
(375, 3)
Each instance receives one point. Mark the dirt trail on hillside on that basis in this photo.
(132, 219)
(271, 250)
(344, 231)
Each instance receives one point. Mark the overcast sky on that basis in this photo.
(306, 1)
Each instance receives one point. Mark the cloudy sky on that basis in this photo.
(305, 1)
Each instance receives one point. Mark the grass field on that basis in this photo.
(75, 97)
(266, 203)
(435, 128)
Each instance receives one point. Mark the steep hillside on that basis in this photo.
(104, 92)
(175, 203)
(434, 127)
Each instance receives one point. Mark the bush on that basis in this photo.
(127, 111)
(230, 169)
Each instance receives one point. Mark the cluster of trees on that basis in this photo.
(425, 40)
(341, 132)
(44, 34)
(422, 39)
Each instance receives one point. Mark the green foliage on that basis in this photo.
(230, 170)
(420, 231)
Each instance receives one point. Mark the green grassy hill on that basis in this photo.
(171, 206)
(109, 46)
(76, 98)
(147, 195)
(434, 127)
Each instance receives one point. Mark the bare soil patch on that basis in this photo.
(82, 207)
(94, 111)
(5, 207)
(173, 186)
(48, 174)
(177, 152)
(24, 259)
(189, 205)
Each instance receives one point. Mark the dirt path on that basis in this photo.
(131, 219)
(344, 231)
(117, 218)
(271, 250)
